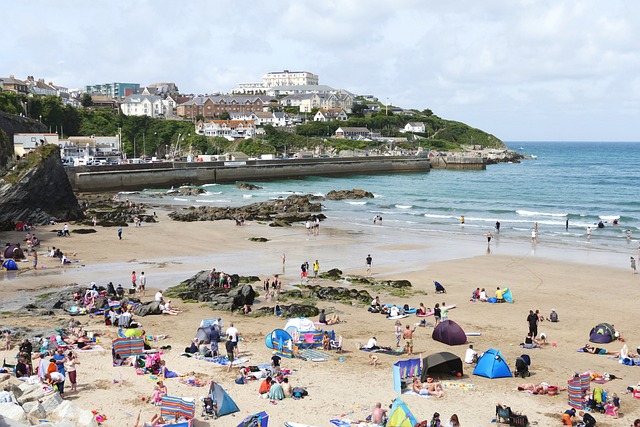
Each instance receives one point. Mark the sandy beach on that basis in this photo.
(578, 284)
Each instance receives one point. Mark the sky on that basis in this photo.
(521, 70)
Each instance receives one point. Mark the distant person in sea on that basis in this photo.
(628, 235)
(534, 235)
(497, 226)
(566, 225)
(588, 233)
(633, 265)
(489, 236)
(461, 219)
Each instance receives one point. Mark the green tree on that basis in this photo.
(86, 100)
(225, 115)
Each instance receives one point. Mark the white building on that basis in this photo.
(148, 105)
(289, 78)
(24, 142)
(330, 114)
(230, 129)
(414, 127)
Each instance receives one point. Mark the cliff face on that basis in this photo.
(37, 190)
(11, 124)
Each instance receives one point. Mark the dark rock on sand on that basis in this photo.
(330, 293)
(258, 239)
(293, 310)
(361, 280)
(348, 194)
(83, 231)
(292, 209)
(247, 186)
(151, 307)
(197, 288)
(37, 190)
(333, 274)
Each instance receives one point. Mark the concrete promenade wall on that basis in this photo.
(458, 162)
(133, 177)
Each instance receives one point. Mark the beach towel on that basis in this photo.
(384, 350)
(413, 393)
(222, 360)
(88, 349)
(314, 355)
(458, 385)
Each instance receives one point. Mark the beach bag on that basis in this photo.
(519, 420)
(240, 380)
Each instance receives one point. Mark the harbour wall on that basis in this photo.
(135, 177)
(458, 162)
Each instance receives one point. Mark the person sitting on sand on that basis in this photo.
(372, 344)
(595, 350)
(483, 295)
(166, 373)
(587, 419)
(275, 391)
(334, 319)
(416, 387)
(287, 389)
(326, 341)
(568, 417)
(543, 339)
(165, 308)
(159, 390)
(530, 342)
(379, 415)
(265, 386)
(422, 310)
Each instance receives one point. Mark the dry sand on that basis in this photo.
(346, 385)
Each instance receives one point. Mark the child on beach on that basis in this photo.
(7, 339)
(158, 391)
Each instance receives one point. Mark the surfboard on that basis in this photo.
(401, 316)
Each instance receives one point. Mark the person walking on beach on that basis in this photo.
(398, 332)
(532, 320)
(134, 280)
(368, 261)
(303, 272)
(633, 265)
(120, 233)
(316, 269)
(284, 259)
(489, 236)
(143, 284)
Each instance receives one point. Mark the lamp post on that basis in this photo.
(166, 151)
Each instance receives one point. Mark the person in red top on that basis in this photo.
(265, 386)
(134, 279)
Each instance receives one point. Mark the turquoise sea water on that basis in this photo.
(584, 182)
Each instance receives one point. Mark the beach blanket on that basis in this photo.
(92, 348)
(222, 360)
(400, 316)
(314, 355)
(384, 350)
(458, 385)
(193, 382)
(413, 393)
(292, 424)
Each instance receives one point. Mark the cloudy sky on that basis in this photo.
(521, 70)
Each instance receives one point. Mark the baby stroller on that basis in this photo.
(522, 365)
(439, 288)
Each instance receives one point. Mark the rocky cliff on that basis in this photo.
(10, 124)
(37, 190)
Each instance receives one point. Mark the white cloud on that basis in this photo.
(520, 70)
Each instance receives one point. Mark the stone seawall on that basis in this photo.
(458, 162)
(133, 177)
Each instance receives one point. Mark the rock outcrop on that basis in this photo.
(197, 288)
(292, 209)
(290, 311)
(330, 293)
(247, 186)
(348, 194)
(37, 190)
(10, 124)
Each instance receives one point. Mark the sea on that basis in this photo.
(584, 183)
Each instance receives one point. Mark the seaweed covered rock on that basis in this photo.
(333, 274)
(197, 288)
(348, 194)
(330, 293)
(293, 310)
(247, 186)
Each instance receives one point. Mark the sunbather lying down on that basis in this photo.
(540, 388)
(595, 350)
(430, 388)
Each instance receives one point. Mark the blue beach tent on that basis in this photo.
(224, 404)
(492, 365)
